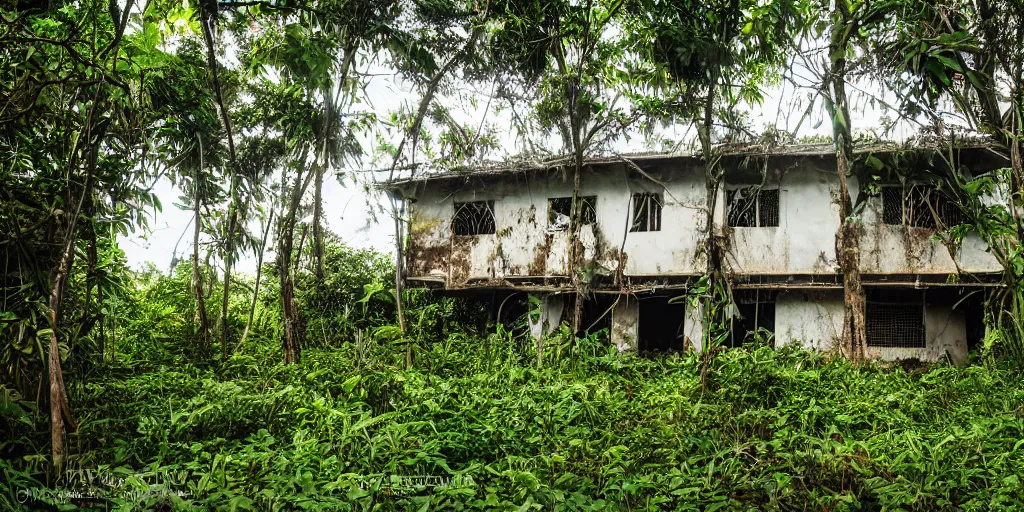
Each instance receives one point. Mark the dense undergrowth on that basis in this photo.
(592, 430)
(475, 422)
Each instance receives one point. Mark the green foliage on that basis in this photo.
(350, 297)
(99, 102)
(476, 424)
(775, 430)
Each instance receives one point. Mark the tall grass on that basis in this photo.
(590, 430)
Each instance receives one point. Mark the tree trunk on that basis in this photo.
(712, 310)
(318, 233)
(576, 246)
(60, 409)
(229, 256)
(208, 20)
(302, 244)
(399, 215)
(854, 335)
(201, 318)
(256, 287)
(292, 334)
(293, 325)
(854, 341)
(292, 317)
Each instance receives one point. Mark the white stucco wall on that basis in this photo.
(523, 244)
(814, 320)
(693, 327)
(887, 248)
(625, 330)
(803, 243)
(548, 315)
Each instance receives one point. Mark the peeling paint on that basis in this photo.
(802, 244)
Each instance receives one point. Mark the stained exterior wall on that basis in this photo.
(625, 331)
(814, 319)
(803, 243)
(811, 318)
(524, 247)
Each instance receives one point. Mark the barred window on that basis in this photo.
(474, 218)
(753, 207)
(895, 319)
(560, 211)
(646, 212)
(918, 206)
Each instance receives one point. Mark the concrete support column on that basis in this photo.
(550, 314)
(945, 335)
(720, 221)
(626, 324)
(693, 327)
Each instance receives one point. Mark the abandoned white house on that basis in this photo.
(642, 223)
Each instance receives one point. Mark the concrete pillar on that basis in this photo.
(720, 220)
(549, 315)
(693, 327)
(945, 334)
(626, 324)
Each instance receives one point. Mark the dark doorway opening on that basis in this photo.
(661, 324)
(755, 310)
(596, 314)
(973, 306)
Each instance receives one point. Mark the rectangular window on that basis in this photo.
(560, 211)
(895, 319)
(918, 206)
(646, 212)
(752, 207)
(474, 218)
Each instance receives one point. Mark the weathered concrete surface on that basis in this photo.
(526, 246)
(549, 315)
(813, 319)
(625, 332)
(693, 327)
(804, 241)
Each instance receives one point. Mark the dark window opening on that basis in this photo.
(661, 325)
(918, 206)
(475, 218)
(560, 211)
(895, 318)
(755, 313)
(646, 212)
(751, 207)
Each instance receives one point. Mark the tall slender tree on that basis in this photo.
(75, 103)
(706, 58)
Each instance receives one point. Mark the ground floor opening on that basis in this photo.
(929, 324)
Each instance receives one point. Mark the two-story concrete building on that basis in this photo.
(643, 219)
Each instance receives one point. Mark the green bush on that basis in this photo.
(475, 423)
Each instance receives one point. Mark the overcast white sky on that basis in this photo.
(347, 209)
